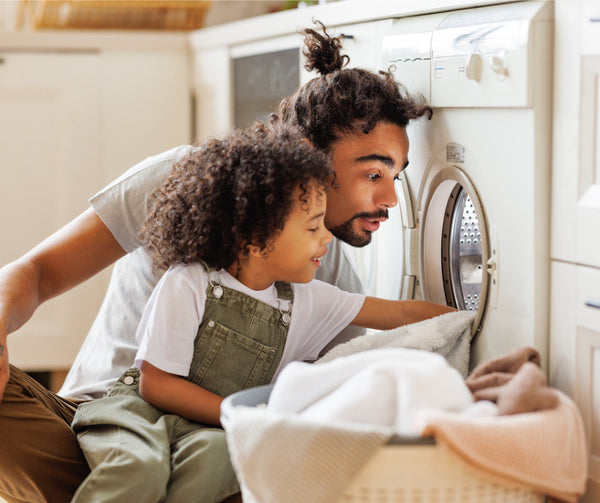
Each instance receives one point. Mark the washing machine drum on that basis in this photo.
(454, 245)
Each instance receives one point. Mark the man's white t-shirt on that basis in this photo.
(110, 346)
(170, 322)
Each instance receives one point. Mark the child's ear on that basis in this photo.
(254, 250)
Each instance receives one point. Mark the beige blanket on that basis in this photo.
(545, 450)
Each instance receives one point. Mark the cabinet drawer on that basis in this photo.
(588, 362)
(588, 298)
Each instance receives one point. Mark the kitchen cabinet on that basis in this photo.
(77, 110)
(575, 270)
(575, 352)
(576, 180)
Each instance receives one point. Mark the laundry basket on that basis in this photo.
(411, 470)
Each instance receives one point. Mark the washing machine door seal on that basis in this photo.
(454, 250)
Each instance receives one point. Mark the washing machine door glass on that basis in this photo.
(454, 244)
(462, 256)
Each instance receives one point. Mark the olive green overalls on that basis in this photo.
(140, 453)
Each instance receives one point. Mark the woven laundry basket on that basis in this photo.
(117, 14)
(412, 470)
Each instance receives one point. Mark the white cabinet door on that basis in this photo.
(588, 204)
(575, 352)
(587, 363)
(49, 140)
(576, 133)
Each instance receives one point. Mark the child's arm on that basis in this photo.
(176, 395)
(382, 314)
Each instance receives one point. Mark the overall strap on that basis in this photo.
(284, 290)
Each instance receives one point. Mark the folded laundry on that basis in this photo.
(508, 363)
(514, 381)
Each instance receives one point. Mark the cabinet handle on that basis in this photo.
(2, 60)
(592, 303)
(346, 36)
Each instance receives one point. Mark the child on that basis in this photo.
(239, 226)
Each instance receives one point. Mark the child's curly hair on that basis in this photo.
(231, 193)
(344, 100)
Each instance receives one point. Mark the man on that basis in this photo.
(357, 117)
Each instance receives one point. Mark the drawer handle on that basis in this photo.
(593, 303)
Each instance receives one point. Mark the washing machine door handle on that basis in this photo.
(491, 266)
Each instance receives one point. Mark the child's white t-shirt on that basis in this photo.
(170, 321)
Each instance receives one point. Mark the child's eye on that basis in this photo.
(314, 230)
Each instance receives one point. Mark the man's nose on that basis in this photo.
(386, 195)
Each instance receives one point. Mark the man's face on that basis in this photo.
(366, 166)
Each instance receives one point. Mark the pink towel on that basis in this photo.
(545, 450)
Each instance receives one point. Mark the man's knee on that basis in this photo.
(40, 459)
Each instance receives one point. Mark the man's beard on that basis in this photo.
(346, 232)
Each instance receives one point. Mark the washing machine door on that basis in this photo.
(435, 245)
(454, 250)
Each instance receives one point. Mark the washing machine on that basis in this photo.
(471, 229)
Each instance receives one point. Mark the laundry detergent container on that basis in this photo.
(409, 470)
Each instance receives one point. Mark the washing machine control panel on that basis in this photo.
(480, 57)
(470, 58)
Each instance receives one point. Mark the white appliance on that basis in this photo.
(484, 158)
(472, 225)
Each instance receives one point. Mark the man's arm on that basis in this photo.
(382, 314)
(72, 255)
(176, 395)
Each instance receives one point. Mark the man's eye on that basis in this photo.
(373, 176)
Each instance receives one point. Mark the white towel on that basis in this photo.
(448, 335)
(380, 387)
(323, 422)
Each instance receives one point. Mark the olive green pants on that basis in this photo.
(139, 453)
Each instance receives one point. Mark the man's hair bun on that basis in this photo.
(322, 52)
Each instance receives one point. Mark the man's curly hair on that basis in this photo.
(231, 193)
(344, 100)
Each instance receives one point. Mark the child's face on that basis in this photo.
(295, 254)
